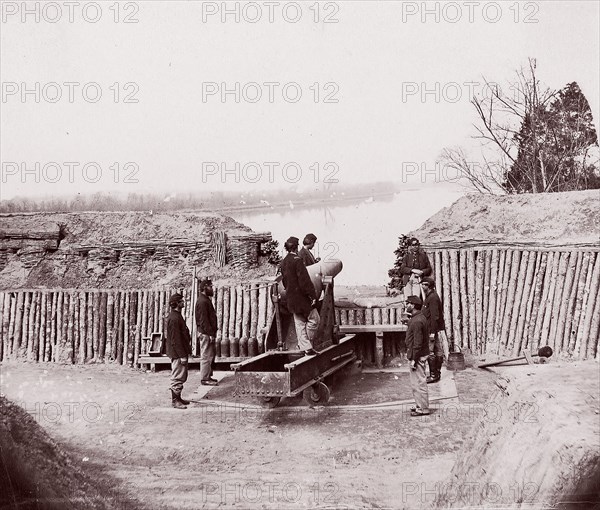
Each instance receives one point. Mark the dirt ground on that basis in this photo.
(120, 430)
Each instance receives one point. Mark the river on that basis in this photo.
(363, 234)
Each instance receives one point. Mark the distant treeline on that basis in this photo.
(106, 201)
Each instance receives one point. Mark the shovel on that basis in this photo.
(543, 353)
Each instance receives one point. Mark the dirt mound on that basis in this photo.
(537, 445)
(125, 250)
(36, 472)
(541, 219)
(105, 228)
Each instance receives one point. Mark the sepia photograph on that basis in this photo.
(291, 255)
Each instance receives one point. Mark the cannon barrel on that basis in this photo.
(330, 267)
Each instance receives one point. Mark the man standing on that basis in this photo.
(415, 265)
(433, 311)
(305, 254)
(301, 296)
(179, 347)
(417, 351)
(206, 322)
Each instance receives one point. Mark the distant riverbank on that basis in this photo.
(304, 202)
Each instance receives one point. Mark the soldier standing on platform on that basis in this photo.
(308, 243)
(301, 296)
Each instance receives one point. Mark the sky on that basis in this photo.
(169, 96)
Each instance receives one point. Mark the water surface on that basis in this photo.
(363, 234)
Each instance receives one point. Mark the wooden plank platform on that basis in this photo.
(151, 361)
(379, 330)
(371, 328)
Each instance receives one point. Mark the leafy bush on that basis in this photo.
(394, 273)
(270, 249)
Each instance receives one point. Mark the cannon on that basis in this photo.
(284, 371)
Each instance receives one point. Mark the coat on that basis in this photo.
(300, 290)
(206, 317)
(307, 257)
(433, 311)
(179, 341)
(417, 336)
(417, 261)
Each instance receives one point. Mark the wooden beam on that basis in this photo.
(372, 328)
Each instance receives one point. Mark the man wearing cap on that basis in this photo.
(305, 254)
(417, 352)
(301, 296)
(433, 311)
(206, 323)
(415, 265)
(179, 347)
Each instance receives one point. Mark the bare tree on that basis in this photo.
(534, 145)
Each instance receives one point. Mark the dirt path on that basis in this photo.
(118, 424)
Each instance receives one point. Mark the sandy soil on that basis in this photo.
(568, 218)
(119, 430)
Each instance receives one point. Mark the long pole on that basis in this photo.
(193, 310)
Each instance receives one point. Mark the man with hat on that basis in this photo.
(433, 311)
(417, 352)
(206, 323)
(301, 296)
(305, 254)
(179, 347)
(415, 265)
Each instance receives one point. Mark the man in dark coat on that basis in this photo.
(417, 352)
(179, 347)
(206, 323)
(415, 265)
(301, 296)
(433, 311)
(305, 254)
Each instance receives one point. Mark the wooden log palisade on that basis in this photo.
(496, 300)
(109, 326)
(503, 300)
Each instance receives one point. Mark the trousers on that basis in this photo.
(435, 345)
(418, 384)
(306, 327)
(413, 287)
(208, 351)
(179, 374)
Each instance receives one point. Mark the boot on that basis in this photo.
(184, 402)
(176, 402)
(431, 361)
(438, 366)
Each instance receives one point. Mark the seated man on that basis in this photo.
(301, 296)
(415, 265)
